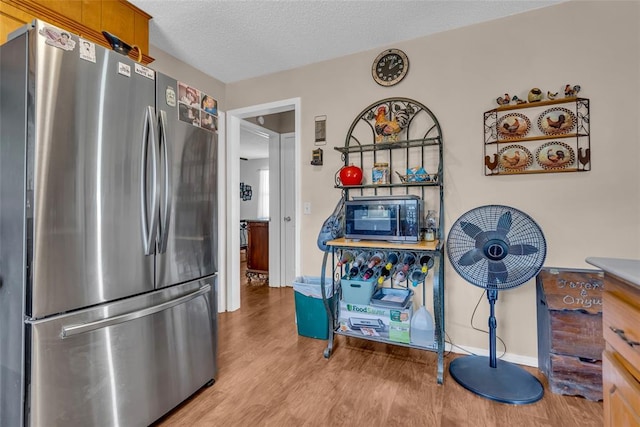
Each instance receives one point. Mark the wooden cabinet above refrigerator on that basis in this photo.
(85, 18)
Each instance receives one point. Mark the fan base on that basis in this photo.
(506, 383)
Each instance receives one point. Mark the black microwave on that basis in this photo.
(391, 218)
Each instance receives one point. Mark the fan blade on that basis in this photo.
(504, 223)
(497, 272)
(470, 229)
(470, 257)
(522, 249)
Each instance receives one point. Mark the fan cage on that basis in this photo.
(518, 268)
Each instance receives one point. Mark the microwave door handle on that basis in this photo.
(398, 220)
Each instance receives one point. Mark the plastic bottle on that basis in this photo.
(422, 330)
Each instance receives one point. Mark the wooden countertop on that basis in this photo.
(626, 269)
(412, 246)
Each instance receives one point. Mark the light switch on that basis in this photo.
(307, 208)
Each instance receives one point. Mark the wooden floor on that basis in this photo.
(270, 376)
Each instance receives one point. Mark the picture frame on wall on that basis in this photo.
(321, 130)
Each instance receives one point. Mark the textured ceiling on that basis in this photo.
(234, 40)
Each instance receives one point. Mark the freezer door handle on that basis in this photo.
(149, 133)
(168, 164)
(72, 330)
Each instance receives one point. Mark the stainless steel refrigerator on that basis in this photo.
(108, 290)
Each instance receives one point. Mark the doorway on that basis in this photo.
(231, 278)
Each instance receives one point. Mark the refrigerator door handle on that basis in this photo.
(168, 164)
(72, 330)
(149, 133)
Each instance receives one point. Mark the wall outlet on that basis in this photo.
(307, 208)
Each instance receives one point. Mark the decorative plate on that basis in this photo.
(555, 155)
(556, 121)
(515, 158)
(514, 125)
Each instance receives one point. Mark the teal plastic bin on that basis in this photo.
(311, 315)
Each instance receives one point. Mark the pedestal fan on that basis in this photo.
(496, 248)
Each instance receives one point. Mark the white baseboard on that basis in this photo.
(508, 357)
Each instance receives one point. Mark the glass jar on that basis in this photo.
(380, 173)
(431, 224)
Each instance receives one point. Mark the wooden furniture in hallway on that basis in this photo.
(244, 239)
(258, 250)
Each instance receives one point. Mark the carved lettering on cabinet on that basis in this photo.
(573, 289)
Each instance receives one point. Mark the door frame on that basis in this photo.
(274, 162)
(230, 266)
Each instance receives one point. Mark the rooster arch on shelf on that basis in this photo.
(402, 133)
(391, 120)
(388, 125)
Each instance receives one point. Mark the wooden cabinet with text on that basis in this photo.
(570, 341)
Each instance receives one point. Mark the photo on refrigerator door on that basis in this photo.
(188, 95)
(189, 114)
(87, 50)
(57, 38)
(209, 122)
(209, 104)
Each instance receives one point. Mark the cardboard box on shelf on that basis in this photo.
(393, 324)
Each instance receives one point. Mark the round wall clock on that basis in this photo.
(390, 67)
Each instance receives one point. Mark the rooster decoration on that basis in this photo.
(503, 100)
(557, 124)
(491, 164)
(584, 157)
(570, 91)
(512, 161)
(388, 130)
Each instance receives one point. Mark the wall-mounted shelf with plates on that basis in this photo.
(538, 137)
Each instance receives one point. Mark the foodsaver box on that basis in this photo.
(393, 324)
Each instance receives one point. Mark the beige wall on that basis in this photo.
(182, 72)
(458, 74)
